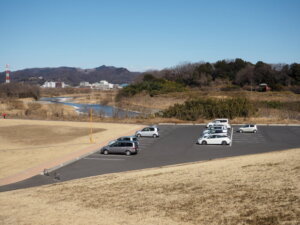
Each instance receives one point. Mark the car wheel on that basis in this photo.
(128, 153)
(154, 135)
(138, 135)
(204, 142)
(224, 143)
(254, 131)
(105, 152)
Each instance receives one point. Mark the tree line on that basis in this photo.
(19, 90)
(235, 72)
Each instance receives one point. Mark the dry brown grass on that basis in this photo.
(166, 100)
(258, 189)
(29, 143)
(43, 135)
(146, 104)
(29, 108)
(95, 97)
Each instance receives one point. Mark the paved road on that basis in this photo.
(177, 144)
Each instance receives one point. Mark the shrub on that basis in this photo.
(231, 88)
(211, 108)
(290, 106)
(34, 106)
(152, 86)
(19, 90)
(15, 104)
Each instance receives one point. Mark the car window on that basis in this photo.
(224, 121)
(251, 125)
(145, 129)
(134, 139)
(115, 144)
(126, 139)
(151, 129)
(129, 144)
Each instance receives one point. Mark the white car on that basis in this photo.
(223, 121)
(252, 128)
(211, 133)
(221, 128)
(148, 132)
(214, 139)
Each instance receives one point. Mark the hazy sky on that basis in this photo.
(141, 35)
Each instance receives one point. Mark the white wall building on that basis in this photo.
(102, 85)
(84, 84)
(53, 84)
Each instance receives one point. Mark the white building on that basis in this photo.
(102, 85)
(53, 84)
(84, 84)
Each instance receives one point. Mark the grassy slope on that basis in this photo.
(28, 143)
(256, 189)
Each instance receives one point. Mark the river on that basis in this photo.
(103, 110)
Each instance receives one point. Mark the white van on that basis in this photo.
(222, 121)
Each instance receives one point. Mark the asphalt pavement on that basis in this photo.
(176, 144)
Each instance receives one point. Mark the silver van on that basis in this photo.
(148, 132)
(120, 147)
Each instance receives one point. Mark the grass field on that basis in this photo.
(28, 143)
(257, 189)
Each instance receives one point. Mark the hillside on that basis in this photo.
(255, 189)
(72, 75)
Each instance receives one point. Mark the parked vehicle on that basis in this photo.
(128, 138)
(252, 128)
(219, 129)
(214, 139)
(125, 138)
(223, 121)
(120, 147)
(148, 132)
(220, 132)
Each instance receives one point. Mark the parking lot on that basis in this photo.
(176, 144)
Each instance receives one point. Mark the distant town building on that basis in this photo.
(53, 84)
(84, 84)
(102, 85)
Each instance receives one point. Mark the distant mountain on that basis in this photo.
(72, 75)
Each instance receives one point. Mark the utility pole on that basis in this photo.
(91, 123)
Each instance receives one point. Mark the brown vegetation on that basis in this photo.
(147, 105)
(258, 189)
(29, 143)
(42, 135)
(54, 92)
(29, 108)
